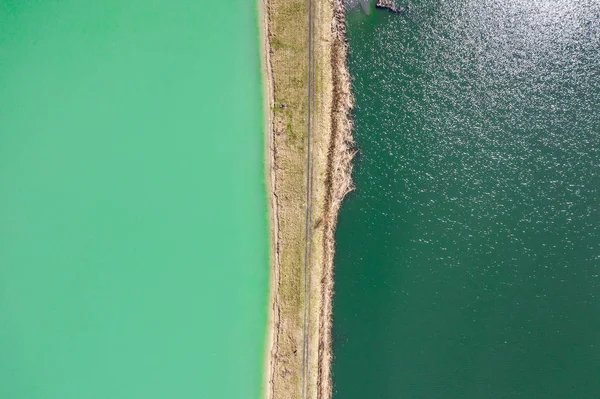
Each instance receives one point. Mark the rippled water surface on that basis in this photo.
(468, 258)
(133, 228)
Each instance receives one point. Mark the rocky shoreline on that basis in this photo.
(389, 5)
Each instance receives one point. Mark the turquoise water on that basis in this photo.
(468, 258)
(133, 227)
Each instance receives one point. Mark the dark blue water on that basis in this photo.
(468, 258)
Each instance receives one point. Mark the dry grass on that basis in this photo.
(286, 64)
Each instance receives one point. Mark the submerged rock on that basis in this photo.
(364, 4)
(390, 5)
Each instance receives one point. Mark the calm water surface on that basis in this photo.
(468, 258)
(133, 229)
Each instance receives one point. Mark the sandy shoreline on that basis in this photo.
(332, 164)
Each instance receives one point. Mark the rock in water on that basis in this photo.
(390, 5)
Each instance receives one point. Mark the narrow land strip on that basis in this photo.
(309, 197)
(309, 164)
